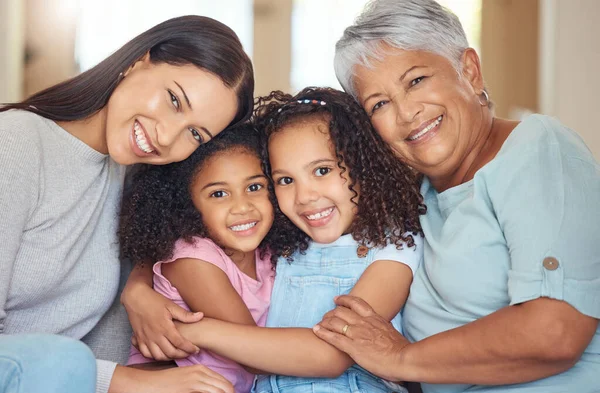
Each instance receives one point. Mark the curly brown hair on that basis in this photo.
(390, 203)
(157, 209)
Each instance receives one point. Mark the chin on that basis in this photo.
(326, 238)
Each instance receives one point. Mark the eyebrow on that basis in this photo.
(184, 95)
(312, 163)
(222, 183)
(401, 79)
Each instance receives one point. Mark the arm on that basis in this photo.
(19, 188)
(196, 378)
(151, 316)
(206, 287)
(297, 351)
(516, 344)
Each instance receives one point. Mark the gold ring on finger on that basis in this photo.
(345, 329)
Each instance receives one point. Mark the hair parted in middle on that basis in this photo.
(389, 204)
(158, 209)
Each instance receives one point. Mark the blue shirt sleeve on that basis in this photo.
(547, 204)
(410, 256)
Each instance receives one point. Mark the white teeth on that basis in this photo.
(426, 129)
(140, 138)
(322, 214)
(243, 227)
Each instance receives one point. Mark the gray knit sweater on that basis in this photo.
(59, 266)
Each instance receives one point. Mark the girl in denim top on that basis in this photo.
(352, 226)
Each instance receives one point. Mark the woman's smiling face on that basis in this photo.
(160, 113)
(422, 107)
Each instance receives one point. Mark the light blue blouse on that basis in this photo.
(527, 226)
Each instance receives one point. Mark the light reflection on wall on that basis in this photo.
(105, 25)
(318, 24)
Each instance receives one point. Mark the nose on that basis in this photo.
(305, 193)
(168, 131)
(241, 205)
(407, 109)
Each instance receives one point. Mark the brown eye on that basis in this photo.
(416, 81)
(322, 171)
(255, 187)
(174, 100)
(197, 135)
(284, 181)
(218, 194)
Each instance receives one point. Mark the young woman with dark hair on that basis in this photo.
(63, 158)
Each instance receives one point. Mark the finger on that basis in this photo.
(211, 373)
(356, 304)
(338, 340)
(157, 353)
(145, 351)
(183, 315)
(337, 325)
(169, 350)
(345, 314)
(209, 381)
(134, 341)
(179, 342)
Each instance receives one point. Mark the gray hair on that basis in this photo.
(402, 24)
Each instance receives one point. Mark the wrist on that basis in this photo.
(402, 365)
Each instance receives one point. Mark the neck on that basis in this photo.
(483, 147)
(245, 261)
(91, 130)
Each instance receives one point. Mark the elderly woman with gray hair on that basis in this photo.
(508, 296)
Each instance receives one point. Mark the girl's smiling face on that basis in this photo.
(311, 189)
(230, 192)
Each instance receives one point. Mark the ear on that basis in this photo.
(140, 63)
(471, 70)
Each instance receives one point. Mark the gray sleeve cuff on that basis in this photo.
(104, 374)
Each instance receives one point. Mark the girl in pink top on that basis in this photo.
(208, 220)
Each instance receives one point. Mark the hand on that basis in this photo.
(189, 379)
(370, 340)
(151, 316)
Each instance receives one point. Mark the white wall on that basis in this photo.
(570, 65)
(12, 38)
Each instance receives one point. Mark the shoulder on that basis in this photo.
(410, 256)
(21, 135)
(21, 128)
(540, 136)
(200, 248)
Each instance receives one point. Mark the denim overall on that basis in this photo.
(303, 292)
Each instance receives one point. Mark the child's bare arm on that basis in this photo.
(206, 288)
(297, 351)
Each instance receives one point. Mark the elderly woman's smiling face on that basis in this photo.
(426, 111)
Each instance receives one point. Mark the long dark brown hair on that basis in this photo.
(389, 205)
(196, 40)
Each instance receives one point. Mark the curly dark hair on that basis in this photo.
(158, 209)
(390, 203)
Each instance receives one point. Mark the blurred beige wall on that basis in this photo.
(570, 60)
(272, 55)
(509, 52)
(12, 44)
(50, 41)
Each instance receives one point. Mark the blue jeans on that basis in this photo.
(36, 363)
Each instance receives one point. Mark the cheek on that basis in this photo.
(284, 200)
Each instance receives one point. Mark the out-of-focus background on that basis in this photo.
(537, 55)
